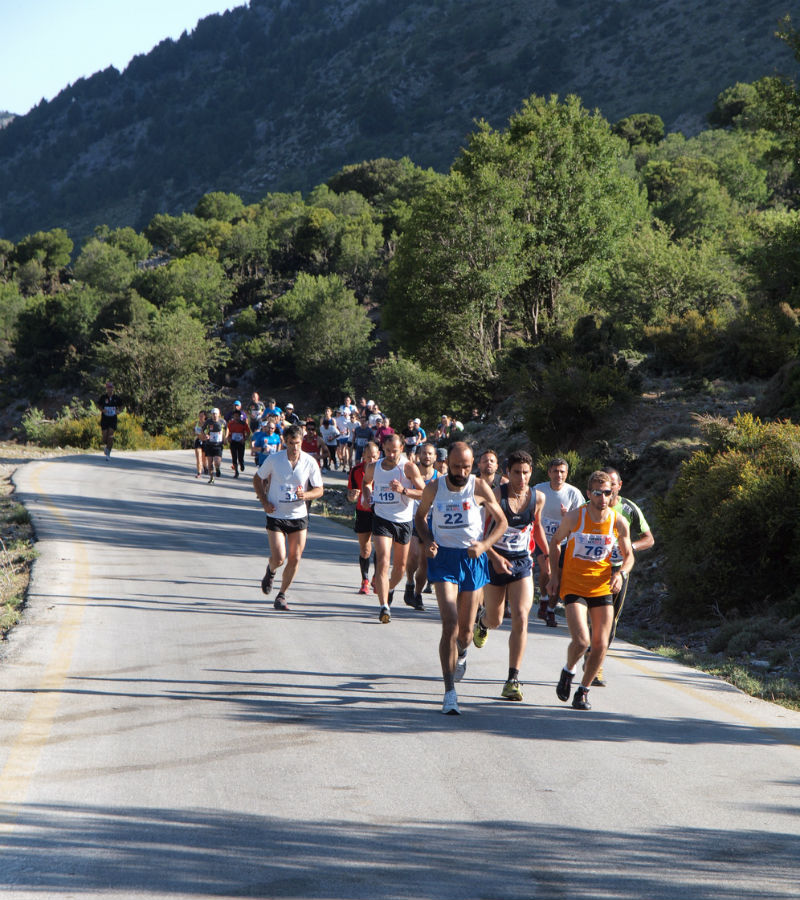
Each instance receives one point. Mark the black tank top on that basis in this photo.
(524, 516)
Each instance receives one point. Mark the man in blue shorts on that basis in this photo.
(458, 567)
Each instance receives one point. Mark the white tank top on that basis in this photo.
(456, 515)
(388, 504)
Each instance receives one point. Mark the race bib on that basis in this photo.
(215, 437)
(550, 526)
(109, 410)
(386, 496)
(237, 436)
(592, 547)
(289, 493)
(452, 513)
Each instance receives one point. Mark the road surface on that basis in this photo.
(166, 733)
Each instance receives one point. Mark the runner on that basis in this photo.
(255, 411)
(329, 434)
(342, 420)
(644, 541)
(284, 483)
(559, 499)
(390, 485)
(489, 469)
(362, 524)
(311, 443)
(588, 582)
(291, 417)
(417, 562)
(109, 406)
(412, 438)
(362, 435)
(215, 438)
(511, 566)
(441, 461)
(457, 562)
(265, 441)
(197, 443)
(238, 432)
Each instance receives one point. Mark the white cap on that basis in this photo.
(418, 421)
(370, 403)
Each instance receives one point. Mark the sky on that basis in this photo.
(46, 45)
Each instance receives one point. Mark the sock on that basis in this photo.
(573, 670)
(513, 674)
(364, 564)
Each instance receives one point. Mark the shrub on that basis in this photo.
(731, 522)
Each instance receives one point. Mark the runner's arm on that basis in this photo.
(499, 522)
(421, 519)
(567, 526)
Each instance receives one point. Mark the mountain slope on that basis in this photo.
(280, 95)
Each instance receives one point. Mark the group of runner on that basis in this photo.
(476, 538)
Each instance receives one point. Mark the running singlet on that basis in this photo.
(516, 540)
(587, 557)
(354, 480)
(456, 515)
(387, 503)
(108, 406)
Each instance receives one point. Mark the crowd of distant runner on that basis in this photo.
(474, 533)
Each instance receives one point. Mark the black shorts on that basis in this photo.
(212, 449)
(362, 523)
(107, 424)
(521, 567)
(399, 532)
(198, 444)
(287, 526)
(591, 602)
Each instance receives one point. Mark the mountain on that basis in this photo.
(281, 94)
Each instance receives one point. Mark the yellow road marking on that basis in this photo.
(773, 731)
(26, 751)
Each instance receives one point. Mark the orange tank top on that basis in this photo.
(587, 557)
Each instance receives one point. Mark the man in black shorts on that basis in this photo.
(284, 482)
(391, 484)
(109, 407)
(215, 432)
(363, 518)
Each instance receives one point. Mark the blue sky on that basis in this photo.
(47, 44)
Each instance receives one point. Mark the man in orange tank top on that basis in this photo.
(588, 582)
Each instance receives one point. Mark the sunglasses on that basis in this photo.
(607, 493)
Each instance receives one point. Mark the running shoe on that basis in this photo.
(599, 680)
(233, 466)
(418, 604)
(450, 704)
(512, 690)
(581, 698)
(266, 581)
(542, 613)
(408, 594)
(241, 466)
(564, 685)
(507, 612)
(211, 480)
(219, 473)
(461, 667)
(480, 632)
(391, 597)
(280, 602)
(427, 589)
(236, 473)
(364, 589)
(385, 615)
(550, 621)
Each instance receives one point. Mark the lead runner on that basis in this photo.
(458, 567)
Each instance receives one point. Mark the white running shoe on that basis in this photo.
(450, 704)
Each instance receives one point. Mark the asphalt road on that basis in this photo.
(165, 733)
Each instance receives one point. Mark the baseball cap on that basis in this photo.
(237, 402)
(418, 421)
(290, 406)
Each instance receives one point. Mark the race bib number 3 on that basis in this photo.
(289, 493)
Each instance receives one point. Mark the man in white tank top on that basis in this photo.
(391, 484)
(457, 562)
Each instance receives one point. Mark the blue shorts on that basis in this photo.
(456, 566)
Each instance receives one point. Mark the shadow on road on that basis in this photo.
(74, 850)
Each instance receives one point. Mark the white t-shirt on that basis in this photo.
(329, 433)
(284, 481)
(569, 496)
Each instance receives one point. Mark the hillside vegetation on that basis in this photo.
(279, 96)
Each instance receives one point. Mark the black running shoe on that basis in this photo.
(581, 699)
(418, 604)
(266, 581)
(391, 597)
(564, 685)
(280, 602)
(408, 594)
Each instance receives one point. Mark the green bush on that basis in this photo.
(731, 523)
(83, 431)
(571, 396)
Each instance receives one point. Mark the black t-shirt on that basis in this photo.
(109, 405)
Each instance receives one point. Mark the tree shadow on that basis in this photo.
(71, 850)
